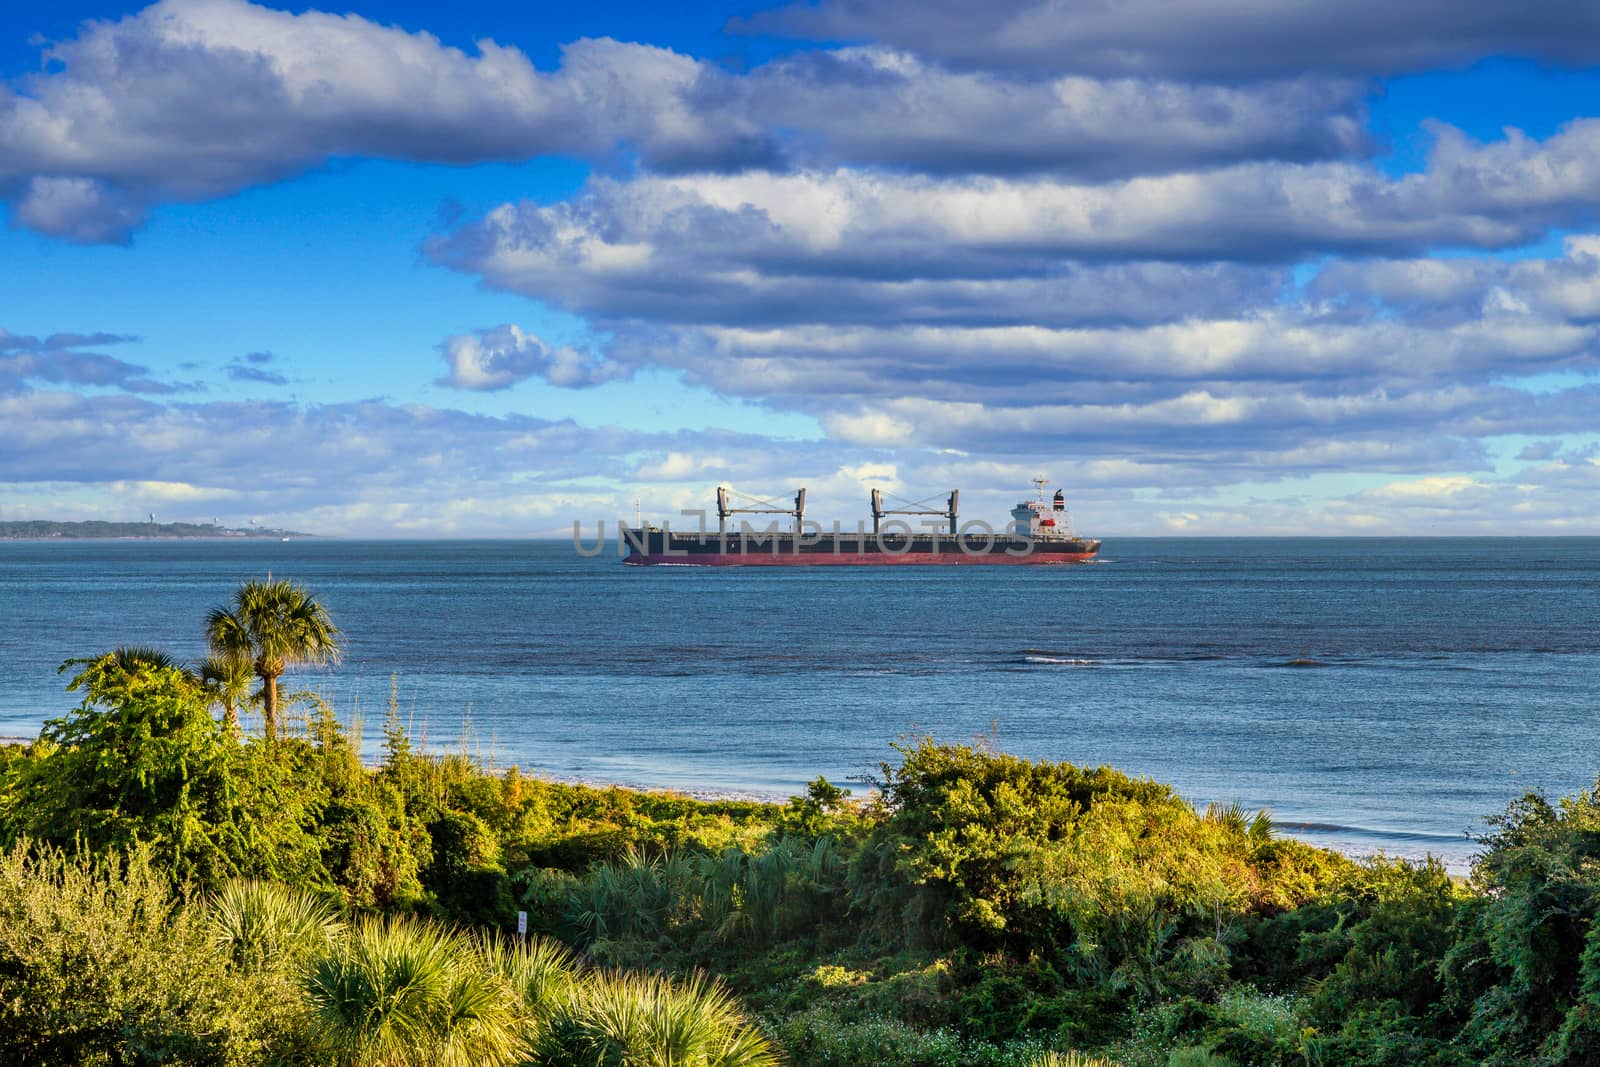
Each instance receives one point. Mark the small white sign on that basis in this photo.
(522, 924)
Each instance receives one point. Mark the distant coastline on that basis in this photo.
(96, 530)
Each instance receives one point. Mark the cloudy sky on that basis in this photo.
(399, 268)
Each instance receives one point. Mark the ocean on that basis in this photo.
(1371, 693)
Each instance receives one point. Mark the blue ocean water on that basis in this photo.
(1371, 693)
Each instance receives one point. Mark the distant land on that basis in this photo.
(43, 529)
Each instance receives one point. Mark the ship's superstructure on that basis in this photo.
(1040, 532)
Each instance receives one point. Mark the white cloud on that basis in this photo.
(498, 358)
(1436, 490)
(720, 241)
(196, 99)
(170, 492)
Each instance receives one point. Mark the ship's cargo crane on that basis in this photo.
(726, 508)
(916, 508)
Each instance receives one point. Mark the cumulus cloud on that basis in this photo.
(61, 436)
(1274, 432)
(193, 99)
(1565, 287)
(379, 468)
(500, 357)
(1013, 364)
(974, 313)
(727, 236)
(373, 466)
(1221, 39)
(86, 210)
(1227, 361)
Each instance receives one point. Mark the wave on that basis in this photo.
(1366, 832)
(1065, 661)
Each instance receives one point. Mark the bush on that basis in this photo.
(1525, 970)
(817, 1037)
(101, 965)
(139, 761)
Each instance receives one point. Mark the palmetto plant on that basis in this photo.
(406, 993)
(544, 973)
(272, 625)
(646, 1019)
(760, 895)
(261, 924)
(1066, 1059)
(635, 898)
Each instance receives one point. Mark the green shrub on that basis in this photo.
(464, 874)
(1118, 879)
(368, 853)
(139, 760)
(1524, 969)
(817, 1037)
(101, 965)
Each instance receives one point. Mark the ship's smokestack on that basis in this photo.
(1060, 501)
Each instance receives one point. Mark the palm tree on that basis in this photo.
(133, 658)
(227, 682)
(272, 625)
(123, 662)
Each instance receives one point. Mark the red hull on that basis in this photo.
(883, 559)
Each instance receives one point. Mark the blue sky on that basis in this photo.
(353, 270)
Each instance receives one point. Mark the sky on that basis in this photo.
(401, 269)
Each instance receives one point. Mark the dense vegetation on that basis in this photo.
(174, 892)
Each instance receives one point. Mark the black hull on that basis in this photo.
(660, 547)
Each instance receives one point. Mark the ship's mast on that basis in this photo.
(1039, 483)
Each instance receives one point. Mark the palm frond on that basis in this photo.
(261, 925)
(407, 992)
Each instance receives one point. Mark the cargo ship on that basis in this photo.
(1040, 532)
